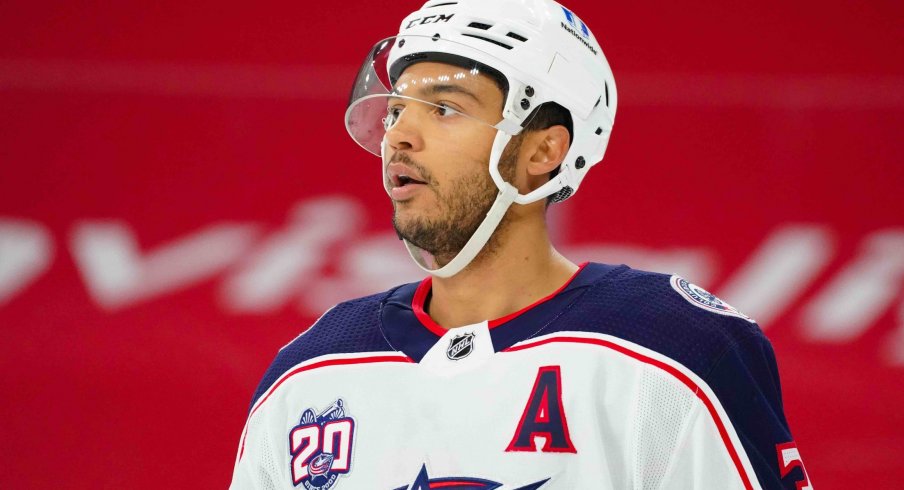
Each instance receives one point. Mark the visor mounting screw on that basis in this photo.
(435, 37)
(401, 42)
(529, 91)
(579, 164)
(525, 104)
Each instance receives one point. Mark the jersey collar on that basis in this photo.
(410, 329)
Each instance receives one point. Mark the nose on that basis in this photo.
(404, 135)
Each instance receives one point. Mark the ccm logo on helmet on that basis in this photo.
(430, 19)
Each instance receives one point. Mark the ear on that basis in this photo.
(547, 148)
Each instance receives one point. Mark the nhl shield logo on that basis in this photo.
(460, 347)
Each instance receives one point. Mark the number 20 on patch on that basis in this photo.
(321, 449)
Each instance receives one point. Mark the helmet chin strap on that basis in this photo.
(477, 241)
(508, 194)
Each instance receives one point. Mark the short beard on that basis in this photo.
(463, 206)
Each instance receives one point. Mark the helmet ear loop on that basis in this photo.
(555, 184)
(383, 168)
(499, 144)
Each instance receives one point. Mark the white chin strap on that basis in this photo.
(508, 194)
(475, 244)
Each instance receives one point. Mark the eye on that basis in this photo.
(443, 110)
(392, 115)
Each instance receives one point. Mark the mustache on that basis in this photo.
(401, 157)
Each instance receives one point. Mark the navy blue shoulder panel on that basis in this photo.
(349, 327)
(731, 354)
(643, 308)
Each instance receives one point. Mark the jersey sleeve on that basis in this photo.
(746, 383)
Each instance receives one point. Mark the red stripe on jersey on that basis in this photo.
(665, 367)
(451, 483)
(417, 306)
(423, 289)
(310, 367)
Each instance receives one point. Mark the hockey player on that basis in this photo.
(509, 366)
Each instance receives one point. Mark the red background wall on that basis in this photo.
(178, 199)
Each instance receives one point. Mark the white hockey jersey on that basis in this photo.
(620, 380)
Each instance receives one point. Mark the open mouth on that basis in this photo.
(403, 180)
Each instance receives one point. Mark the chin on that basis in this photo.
(406, 218)
(401, 215)
(415, 206)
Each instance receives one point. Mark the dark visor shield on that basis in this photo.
(423, 79)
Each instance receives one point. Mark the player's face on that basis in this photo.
(438, 158)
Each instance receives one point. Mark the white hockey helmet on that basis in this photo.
(544, 52)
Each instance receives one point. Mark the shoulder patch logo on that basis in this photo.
(321, 447)
(702, 298)
(460, 347)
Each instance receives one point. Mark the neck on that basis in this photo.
(518, 268)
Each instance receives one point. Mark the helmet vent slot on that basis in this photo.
(563, 194)
(480, 25)
(516, 36)
(497, 43)
(606, 86)
(441, 4)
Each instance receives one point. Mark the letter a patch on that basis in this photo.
(544, 416)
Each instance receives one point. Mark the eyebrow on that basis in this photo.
(451, 89)
(446, 89)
